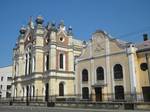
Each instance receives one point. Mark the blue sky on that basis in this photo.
(123, 19)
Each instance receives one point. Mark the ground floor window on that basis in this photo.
(61, 89)
(85, 93)
(119, 92)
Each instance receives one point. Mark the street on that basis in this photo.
(56, 109)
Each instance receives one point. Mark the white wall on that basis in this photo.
(5, 72)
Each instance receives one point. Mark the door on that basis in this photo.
(46, 91)
(146, 93)
(98, 93)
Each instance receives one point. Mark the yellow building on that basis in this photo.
(113, 70)
(43, 61)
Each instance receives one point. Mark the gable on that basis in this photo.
(101, 44)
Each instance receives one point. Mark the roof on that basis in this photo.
(144, 46)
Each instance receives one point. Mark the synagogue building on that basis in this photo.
(49, 61)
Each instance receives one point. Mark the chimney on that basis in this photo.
(145, 37)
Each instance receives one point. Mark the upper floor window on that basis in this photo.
(28, 61)
(9, 78)
(47, 61)
(61, 61)
(2, 78)
(85, 75)
(100, 73)
(118, 72)
(8, 87)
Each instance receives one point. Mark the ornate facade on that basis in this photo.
(43, 61)
(48, 61)
(110, 69)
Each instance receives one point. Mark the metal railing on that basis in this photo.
(80, 98)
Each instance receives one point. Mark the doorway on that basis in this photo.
(146, 93)
(46, 91)
(98, 93)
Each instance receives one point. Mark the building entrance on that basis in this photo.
(46, 91)
(146, 93)
(98, 93)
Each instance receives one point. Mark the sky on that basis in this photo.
(122, 19)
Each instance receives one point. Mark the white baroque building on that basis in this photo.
(5, 81)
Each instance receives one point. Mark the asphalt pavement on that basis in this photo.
(57, 109)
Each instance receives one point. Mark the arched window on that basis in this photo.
(100, 73)
(85, 93)
(118, 72)
(85, 75)
(61, 61)
(61, 89)
(119, 92)
(28, 61)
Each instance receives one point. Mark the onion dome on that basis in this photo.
(70, 28)
(22, 30)
(39, 20)
(70, 31)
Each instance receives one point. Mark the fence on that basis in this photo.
(82, 98)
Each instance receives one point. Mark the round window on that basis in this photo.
(143, 66)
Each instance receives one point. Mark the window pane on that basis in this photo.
(85, 93)
(61, 61)
(84, 75)
(118, 73)
(119, 92)
(100, 73)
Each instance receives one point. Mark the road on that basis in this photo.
(56, 109)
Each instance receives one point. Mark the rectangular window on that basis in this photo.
(1, 78)
(47, 62)
(9, 78)
(8, 87)
(1, 87)
(61, 60)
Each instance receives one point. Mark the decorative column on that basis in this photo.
(132, 70)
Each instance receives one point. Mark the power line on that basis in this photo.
(141, 31)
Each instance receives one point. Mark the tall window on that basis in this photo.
(33, 91)
(119, 92)
(100, 73)
(26, 64)
(118, 72)
(28, 61)
(30, 64)
(47, 61)
(33, 64)
(85, 75)
(61, 61)
(1, 78)
(61, 89)
(85, 93)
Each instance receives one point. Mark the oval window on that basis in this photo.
(61, 39)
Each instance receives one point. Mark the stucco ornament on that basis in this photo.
(99, 45)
